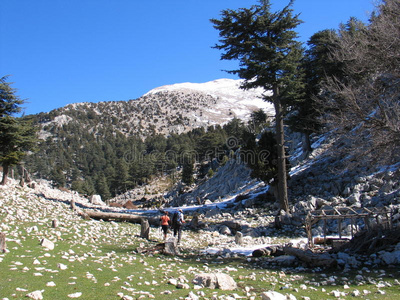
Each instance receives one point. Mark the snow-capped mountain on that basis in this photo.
(231, 99)
(167, 109)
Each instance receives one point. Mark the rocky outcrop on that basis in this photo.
(231, 178)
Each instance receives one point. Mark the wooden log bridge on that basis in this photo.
(121, 217)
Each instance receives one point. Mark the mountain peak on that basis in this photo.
(230, 97)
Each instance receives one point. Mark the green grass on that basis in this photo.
(101, 262)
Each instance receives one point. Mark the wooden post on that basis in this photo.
(145, 229)
(340, 228)
(388, 221)
(22, 180)
(54, 224)
(351, 224)
(309, 230)
(367, 224)
(239, 238)
(72, 203)
(3, 245)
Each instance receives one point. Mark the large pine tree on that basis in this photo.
(16, 135)
(264, 43)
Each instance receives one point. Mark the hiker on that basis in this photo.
(165, 224)
(177, 222)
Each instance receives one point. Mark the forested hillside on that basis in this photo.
(110, 147)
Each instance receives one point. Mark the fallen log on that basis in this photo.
(107, 216)
(310, 258)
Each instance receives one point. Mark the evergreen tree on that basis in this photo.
(102, 187)
(211, 144)
(9, 102)
(188, 171)
(262, 157)
(234, 131)
(17, 136)
(317, 65)
(269, 56)
(258, 120)
(58, 177)
(121, 180)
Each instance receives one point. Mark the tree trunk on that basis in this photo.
(144, 229)
(5, 174)
(280, 139)
(307, 142)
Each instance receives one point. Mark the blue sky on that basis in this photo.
(65, 51)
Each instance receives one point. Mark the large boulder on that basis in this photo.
(96, 200)
(272, 295)
(47, 244)
(215, 281)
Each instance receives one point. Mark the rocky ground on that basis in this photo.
(215, 240)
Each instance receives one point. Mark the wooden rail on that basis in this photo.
(382, 215)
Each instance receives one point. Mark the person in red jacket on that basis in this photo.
(165, 224)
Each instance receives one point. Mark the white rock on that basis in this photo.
(96, 199)
(47, 244)
(366, 292)
(272, 295)
(184, 286)
(215, 280)
(335, 294)
(36, 295)
(75, 295)
(62, 266)
(192, 296)
(173, 281)
(51, 283)
(290, 297)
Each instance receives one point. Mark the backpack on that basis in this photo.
(175, 218)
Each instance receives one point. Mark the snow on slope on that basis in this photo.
(230, 97)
